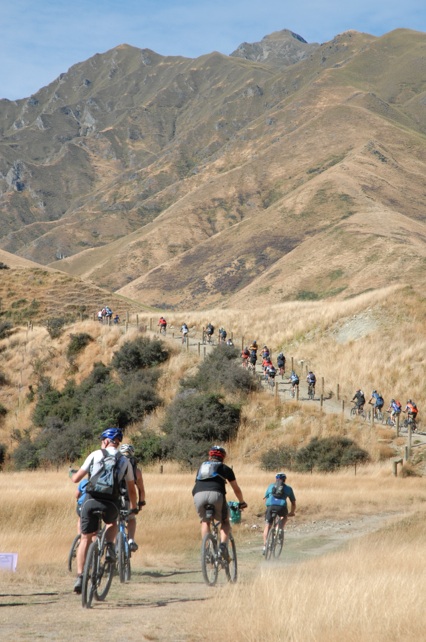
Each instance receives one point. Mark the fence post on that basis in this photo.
(297, 393)
(276, 390)
(204, 350)
(292, 363)
(150, 324)
(199, 346)
(338, 392)
(322, 386)
(397, 425)
(127, 316)
(321, 401)
(343, 406)
(137, 320)
(187, 342)
(409, 440)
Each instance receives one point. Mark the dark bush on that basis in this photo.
(3, 451)
(221, 371)
(77, 343)
(3, 266)
(329, 454)
(140, 353)
(194, 421)
(55, 326)
(3, 411)
(277, 459)
(25, 456)
(148, 447)
(5, 329)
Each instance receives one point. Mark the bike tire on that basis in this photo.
(104, 575)
(128, 570)
(90, 573)
(120, 548)
(73, 551)
(279, 542)
(209, 565)
(270, 544)
(232, 565)
(352, 412)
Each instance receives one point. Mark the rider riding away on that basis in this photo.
(276, 496)
(210, 488)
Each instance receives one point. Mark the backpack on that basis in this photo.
(397, 406)
(278, 490)
(280, 359)
(379, 401)
(105, 484)
(208, 470)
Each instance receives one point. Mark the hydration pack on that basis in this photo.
(278, 490)
(105, 483)
(208, 470)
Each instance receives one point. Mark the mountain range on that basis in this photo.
(284, 171)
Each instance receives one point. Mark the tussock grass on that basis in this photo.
(368, 592)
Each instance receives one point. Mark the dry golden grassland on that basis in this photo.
(369, 589)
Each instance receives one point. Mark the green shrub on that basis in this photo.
(140, 353)
(5, 329)
(221, 371)
(25, 456)
(3, 451)
(3, 379)
(148, 447)
(55, 326)
(277, 459)
(329, 454)
(77, 343)
(194, 421)
(3, 266)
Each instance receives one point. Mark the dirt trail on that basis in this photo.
(159, 603)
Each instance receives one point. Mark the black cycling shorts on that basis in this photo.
(90, 521)
(282, 511)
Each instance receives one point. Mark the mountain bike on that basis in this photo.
(378, 414)
(122, 548)
(294, 389)
(311, 391)
(358, 411)
(213, 559)
(74, 546)
(275, 539)
(409, 421)
(98, 572)
(163, 329)
(390, 421)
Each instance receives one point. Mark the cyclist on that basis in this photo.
(294, 380)
(110, 440)
(184, 330)
(128, 451)
(222, 335)
(210, 331)
(411, 410)
(270, 372)
(394, 409)
(281, 363)
(210, 488)
(276, 496)
(253, 358)
(162, 324)
(311, 380)
(266, 363)
(377, 401)
(253, 347)
(245, 355)
(359, 399)
(80, 495)
(265, 352)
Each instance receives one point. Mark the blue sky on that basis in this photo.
(40, 39)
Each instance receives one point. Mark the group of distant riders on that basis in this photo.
(249, 359)
(394, 409)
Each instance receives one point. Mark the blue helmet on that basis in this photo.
(282, 476)
(113, 434)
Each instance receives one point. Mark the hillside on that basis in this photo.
(143, 171)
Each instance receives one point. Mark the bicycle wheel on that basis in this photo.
(104, 575)
(353, 411)
(279, 542)
(128, 570)
(231, 567)
(209, 560)
(120, 547)
(270, 544)
(73, 551)
(89, 576)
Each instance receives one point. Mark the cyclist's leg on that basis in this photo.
(203, 498)
(89, 527)
(225, 525)
(268, 523)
